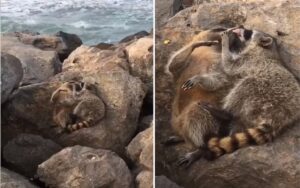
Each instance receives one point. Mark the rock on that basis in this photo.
(26, 152)
(85, 167)
(137, 35)
(166, 9)
(71, 42)
(104, 46)
(38, 65)
(10, 179)
(144, 180)
(61, 42)
(122, 94)
(140, 149)
(11, 75)
(164, 182)
(145, 123)
(271, 165)
(140, 58)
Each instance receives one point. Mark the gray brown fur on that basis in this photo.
(75, 99)
(265, 97)
(64, 103)
(89, 110)
(190, 120)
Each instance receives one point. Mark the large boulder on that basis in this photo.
(38, 65)
(85, 167)
(61, 42)
(11, 179)
(26, 152)
(141, 147)
(11, 75)
(122, 94)
(140, 151)
(270, 165)
(71, 42)
(140, 58)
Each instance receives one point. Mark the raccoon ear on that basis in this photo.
(266, 41)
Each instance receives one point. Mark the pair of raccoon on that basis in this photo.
(261, 98)
(76, 105)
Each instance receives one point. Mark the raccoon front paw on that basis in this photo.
(172, 140)
(225, 34)
(189, 159)
(190, 83)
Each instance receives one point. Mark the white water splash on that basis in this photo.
(93, 20)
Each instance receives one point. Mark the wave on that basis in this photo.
(93, 20)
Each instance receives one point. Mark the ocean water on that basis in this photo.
(94, 21)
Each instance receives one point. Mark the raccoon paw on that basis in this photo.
(224, 35)
(172, 140)
(190, 83)
(189, 158)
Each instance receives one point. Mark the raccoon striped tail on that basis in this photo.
(79, 125)
(215, 146)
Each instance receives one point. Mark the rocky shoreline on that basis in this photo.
(117, 152)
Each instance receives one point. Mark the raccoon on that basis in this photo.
(64, 103)
(89, 107)
(265, 96)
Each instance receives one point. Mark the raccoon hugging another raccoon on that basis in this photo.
(246, 90)
(76, 105)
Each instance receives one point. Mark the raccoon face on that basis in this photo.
(247, 37)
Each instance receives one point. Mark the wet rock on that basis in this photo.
(144, 180)
(164, 182)
(85, 167)
(25, 152)
(38, 65)
(11, 75)
(70, 41)
(122, 94)
(140, 149)
(11, 179)
(104, 46)
(136, 36)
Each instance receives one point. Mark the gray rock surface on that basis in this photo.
(11, 179)
(11, 75)
(85, 167)
(164, 182)
(38, 65)
(25, 152)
